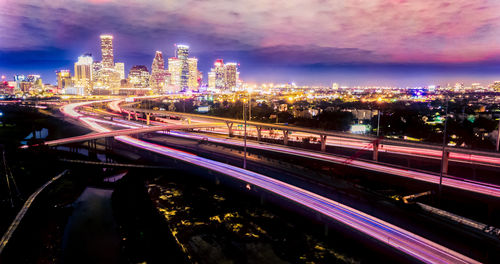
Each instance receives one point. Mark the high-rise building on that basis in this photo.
(211, 80)
(107, 51)
(138, 76)
(159, 79)
(63, 79)
(175, 69)
(84, 73)
(194, 76)
(219, 74)
(182, 54)
(230, 75)
(120, 68)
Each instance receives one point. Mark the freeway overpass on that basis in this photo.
(398, 238)
(130, 131)
(345, 139)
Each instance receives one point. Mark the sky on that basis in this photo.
(351, 42)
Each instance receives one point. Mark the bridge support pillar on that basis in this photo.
(375, 150)
(446, 157)
(259, 133)
(135, 116)
(148, 119)
(229, 128)
(323, 142)
(128, 116)
(285, 137)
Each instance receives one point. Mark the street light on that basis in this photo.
(244, 138)
(443, 151)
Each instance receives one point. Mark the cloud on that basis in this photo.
(358, 30)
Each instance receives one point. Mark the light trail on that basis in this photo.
(454, 182)
(400, 239)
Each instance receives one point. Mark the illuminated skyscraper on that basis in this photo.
(211, 80)
(63, 79)
(182, 54)
(83, 73)
(159, 76)
(193, 81)
(120, 68)
(230, 75)
(107, 51)
(175, 68)
(219, 74)
(138, 76)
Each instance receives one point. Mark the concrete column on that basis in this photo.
(128, 116)
(446, 157)
(375, 150)
(135, 115)
(285, 137)
(323, 142)
(229, 128)
(147, 118)
(259, 133)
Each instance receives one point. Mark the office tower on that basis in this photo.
(84, 73)
(18, 78)
(120, 68)
(219, 74)
(175, 68)
(107, 51)
(63, 79)
(230, 75)
(182, 54)
(193, 80)
(138, 76)
(159, 76)
(211, 80)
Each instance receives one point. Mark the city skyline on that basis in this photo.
(363, 43)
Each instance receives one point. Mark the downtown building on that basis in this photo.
(83, 78)
(160, 77)
(184, 74)
(107, 76)
(223, 77)
(138, 76)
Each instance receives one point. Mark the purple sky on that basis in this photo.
(393, 42)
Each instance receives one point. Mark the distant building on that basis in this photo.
(223, 76)
(174, 68)
(107, 51)
(120, 68)
(138, 76)
(159, 76)
(182, 54)
(230, 75)
(496, 86)
(84, 73)
(63, 79)
(211, 81)
(194, 76)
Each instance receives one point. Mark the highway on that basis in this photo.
(458, 183)
(398, 238)
(339, 139)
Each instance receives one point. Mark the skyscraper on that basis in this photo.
(159, 76)
(120, 68)
(193, 81)
(83, 72)
(138, 76)
(182, 54)
(219, 74)
(107, 51)
(63, 79)
(175, 68)
(230, 75)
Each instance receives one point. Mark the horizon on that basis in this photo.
(379, 43)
